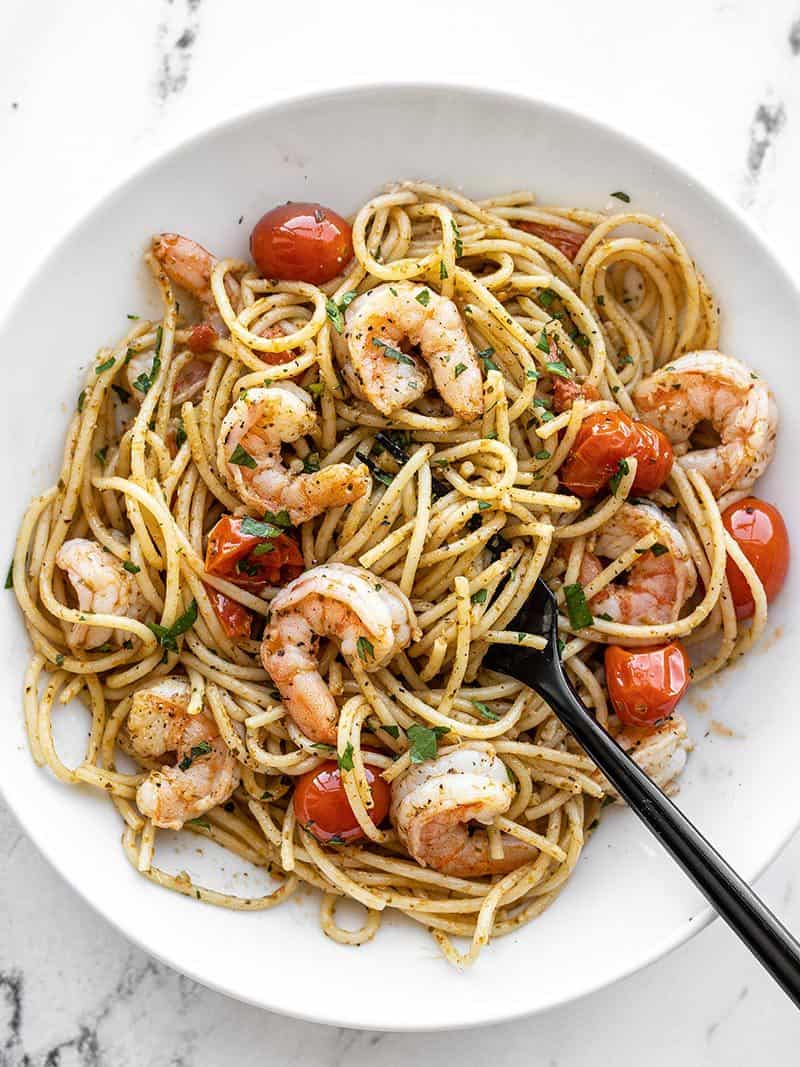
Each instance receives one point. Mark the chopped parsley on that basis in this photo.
(106, 365)
(483, 505)
(100, 455)
(59, 660)
(278, 518)
(543, 343)
(479, 597)
(241, 458)
(263, 549)
(365, 649)
(532, 375)
(206, 825)
(486, 356)
(316, 388)
(130, 567)
(559, 368)
(459, 369)
(618, 475)
(258, 528)
(311, 463)
(658, 549)
(622, 196)
(391, 730)
(458, 242)
(167, 635)
(10, 576)
(424, 741)
(132, 317)
(393, 353)
(145, 381)
(423, 297)
(625, 361)
(378, 473)
(195, 752)
(578, 609)
(345, 759)
(335, 315)
(542, 454)
(180, 434)
(81, 399)
(442, 271)
(485, 711)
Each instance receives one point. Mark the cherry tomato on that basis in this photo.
(645, 684)
(603, 440)
(301, 242)
(322, 807)
(249, 560)
(276, 358)
(567, 241)
(235, 618)
(759, 530)
(201, 338)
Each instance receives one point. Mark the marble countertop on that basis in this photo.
(90, 90)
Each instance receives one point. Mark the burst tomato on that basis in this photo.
(201, 338)
(645, 684)
(605, 439)
(759, 530)
(301, 242)
(322, 807)
(235, 618)
(251, 559)
(567, 241)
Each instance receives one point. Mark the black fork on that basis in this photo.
(725, 890)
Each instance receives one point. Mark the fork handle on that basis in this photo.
(741, 908)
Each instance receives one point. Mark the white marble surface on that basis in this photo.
(89, 89)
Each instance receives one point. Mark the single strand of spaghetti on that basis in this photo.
(361, 936)
(494, 571)
(615, 568)
(287, 839)
(417, 540)
(593, 687)
(31, 706)
(120, 785)
(31, 610)
(514, 637)
(45, 728)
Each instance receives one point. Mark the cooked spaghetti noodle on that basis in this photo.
(563, 309)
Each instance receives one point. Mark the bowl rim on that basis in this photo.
(163, 155)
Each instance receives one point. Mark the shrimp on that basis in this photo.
(380, 321)
(205, 773)
(102, 587)
(188, 265)
(708, 386)
(661, 751)
(370, 617)
(434, 802)
(249, 453)
(658, 584)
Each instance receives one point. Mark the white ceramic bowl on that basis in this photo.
(627, 903)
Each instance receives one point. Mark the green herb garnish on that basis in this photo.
(622, 196)
(486, 356)
(543, 344)
(393, 353)
(391, 730)
(130, 567)
(365, 649)
(442, 271)
(459, 369)
(577, 607)
(618, 475)
(335, 315)
(106, 365)
(240, 457)
(345, 759)
(458, 242)
(167, 635)
(485, 711)
(658, 549)
(424, 297)
(81, 400)
(424, 741)
(560, 369)
(479, 596)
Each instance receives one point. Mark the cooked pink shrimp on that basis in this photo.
(370, 618)
(249, 453)
(658, 584)
(381, 321)
(660, 751)
(434, 802)
(187, 265)
(708, 386)
(205, 772)
(102, 586)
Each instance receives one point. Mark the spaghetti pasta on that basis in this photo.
(553, 318)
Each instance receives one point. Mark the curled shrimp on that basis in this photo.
(249, 452)
(188, 265)
(205, 771)
(370, 618)
(710, 387)
(102, 587)
(434, 802)
(379, 370)
(660, 581)
(661, 751)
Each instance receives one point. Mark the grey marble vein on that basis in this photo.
(176, 37)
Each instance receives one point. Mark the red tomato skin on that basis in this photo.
(235, 619)
(603, 440)
(227, 545)
(201, 338)
(645, 684)
(301, 242)
(759, 530)
(567, 241)
(322, 807)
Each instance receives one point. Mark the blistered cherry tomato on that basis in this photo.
(236, 620)
(645, 684)
(322, 807)
(605, 439)
(759, 530)
(201, 338)
(567, 241)
(250, 560)
(301, 242)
